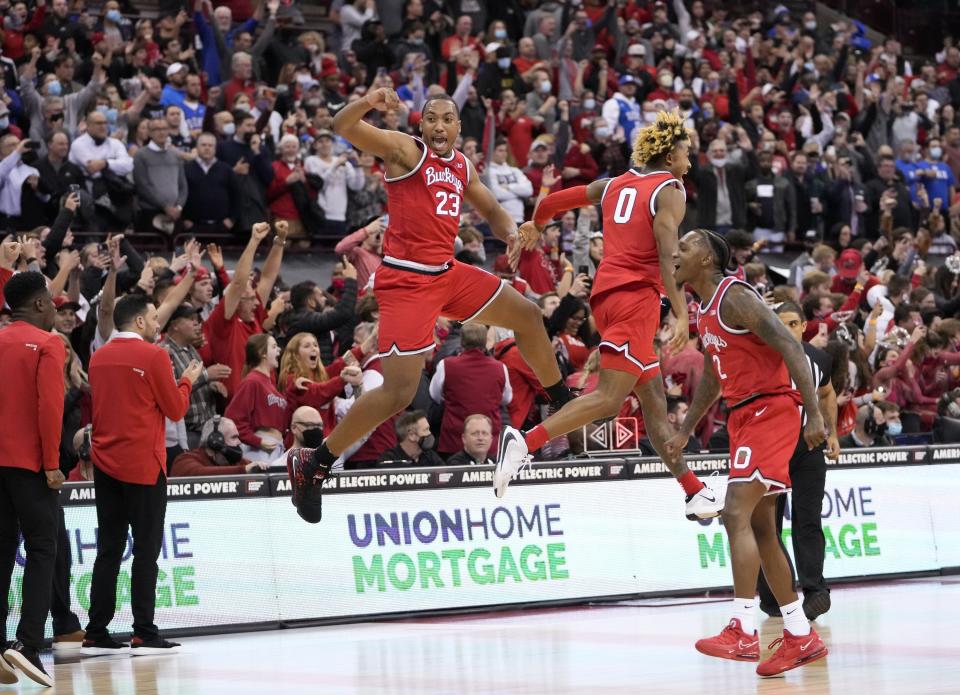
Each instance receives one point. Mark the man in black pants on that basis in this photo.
(31, 419)
(133, 390)
(808, 472)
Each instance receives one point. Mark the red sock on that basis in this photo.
(690, 483)
(536, 438)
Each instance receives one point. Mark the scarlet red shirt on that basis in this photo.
(31, 412)
(257, 405)
(227, 341)
(425, 206)
(133, 390)
(629, 246)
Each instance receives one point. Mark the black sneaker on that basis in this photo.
(773, 610)
(816, 604)
(103, 646)
(7, 675)
(28, 661)
(307, 490)
(157, 645)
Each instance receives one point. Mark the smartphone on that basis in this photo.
(582, 270)
(73, 188)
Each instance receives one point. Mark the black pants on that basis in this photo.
(142, 508)
(65, 620)
(808, 474)
(27, 506)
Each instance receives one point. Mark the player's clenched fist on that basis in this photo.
(260, 230)
(383, 99)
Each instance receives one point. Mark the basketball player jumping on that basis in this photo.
(641, 212)
(749, 358)
(427, 182)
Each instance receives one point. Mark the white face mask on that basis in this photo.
(810, 26)
(545, 87)
(718, 162)
(229, 128)
(936, 153)
(602, 132)
(589, 104)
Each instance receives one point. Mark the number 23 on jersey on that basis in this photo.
(448, 204)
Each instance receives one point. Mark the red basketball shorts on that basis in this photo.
(411, 302)
(627, 320)
(763, 437)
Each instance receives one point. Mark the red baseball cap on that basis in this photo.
(849, 264)
(63, 302)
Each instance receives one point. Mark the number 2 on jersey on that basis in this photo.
(716, 363)
(448, 204)
(625, 202)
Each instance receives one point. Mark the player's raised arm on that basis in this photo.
(397, 150)
(555, 203)
(742, 307)
(671, 207)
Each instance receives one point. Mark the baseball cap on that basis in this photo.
(849, 264)
(199, 275)
(637, 49)
(175, 68)
(63, 302)
(182, 312)
(628, 79)
(324, 133)
(599, 47)
(693, 35)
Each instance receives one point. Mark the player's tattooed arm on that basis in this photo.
(708, 391)
(743, 307)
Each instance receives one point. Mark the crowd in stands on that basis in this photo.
(829, 161)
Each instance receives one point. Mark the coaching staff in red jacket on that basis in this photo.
(133, 389)
(31, 418)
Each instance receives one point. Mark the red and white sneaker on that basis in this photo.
(793, 652)
(731, 643)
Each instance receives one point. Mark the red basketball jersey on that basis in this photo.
(629, 247)
(425, 207)
(745, 365)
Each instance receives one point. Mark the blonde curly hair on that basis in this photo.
(660, 137)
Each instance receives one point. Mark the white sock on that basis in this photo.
(794, 620)
(743, 611)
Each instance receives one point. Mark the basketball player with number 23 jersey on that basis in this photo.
(428, 183)
(642, 210)
(749, 359)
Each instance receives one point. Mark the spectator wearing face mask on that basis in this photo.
(870, 428)
(415, 447)
(477, 441)
(160, 180)
(219, 453)
(622, 110)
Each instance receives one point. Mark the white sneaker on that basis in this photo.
(706, 504)
(512, 457)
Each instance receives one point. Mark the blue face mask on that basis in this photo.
(54, 89)
(4, 123)
(503, 63)
(894, 428)
(500, 33)
(115, 16)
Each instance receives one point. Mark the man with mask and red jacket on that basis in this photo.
(218, 454)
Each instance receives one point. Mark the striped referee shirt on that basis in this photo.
(821, 367)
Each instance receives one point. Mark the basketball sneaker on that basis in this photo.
(27, 660)
(731, 643)
(307, 490)
(793, 652)
(705, 504)
(512, 457)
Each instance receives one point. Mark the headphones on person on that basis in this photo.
(215, 441)
(85, 445)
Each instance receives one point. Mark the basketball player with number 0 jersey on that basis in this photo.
(749, 359)
(428, 183)
(642, 210)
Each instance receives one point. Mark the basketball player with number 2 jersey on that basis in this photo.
(642, 210)
(428, 184)
(749, 359)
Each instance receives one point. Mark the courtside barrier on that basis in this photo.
(416, 540)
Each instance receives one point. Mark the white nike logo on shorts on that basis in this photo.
(761, 411)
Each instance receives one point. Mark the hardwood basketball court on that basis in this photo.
(896, 637)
